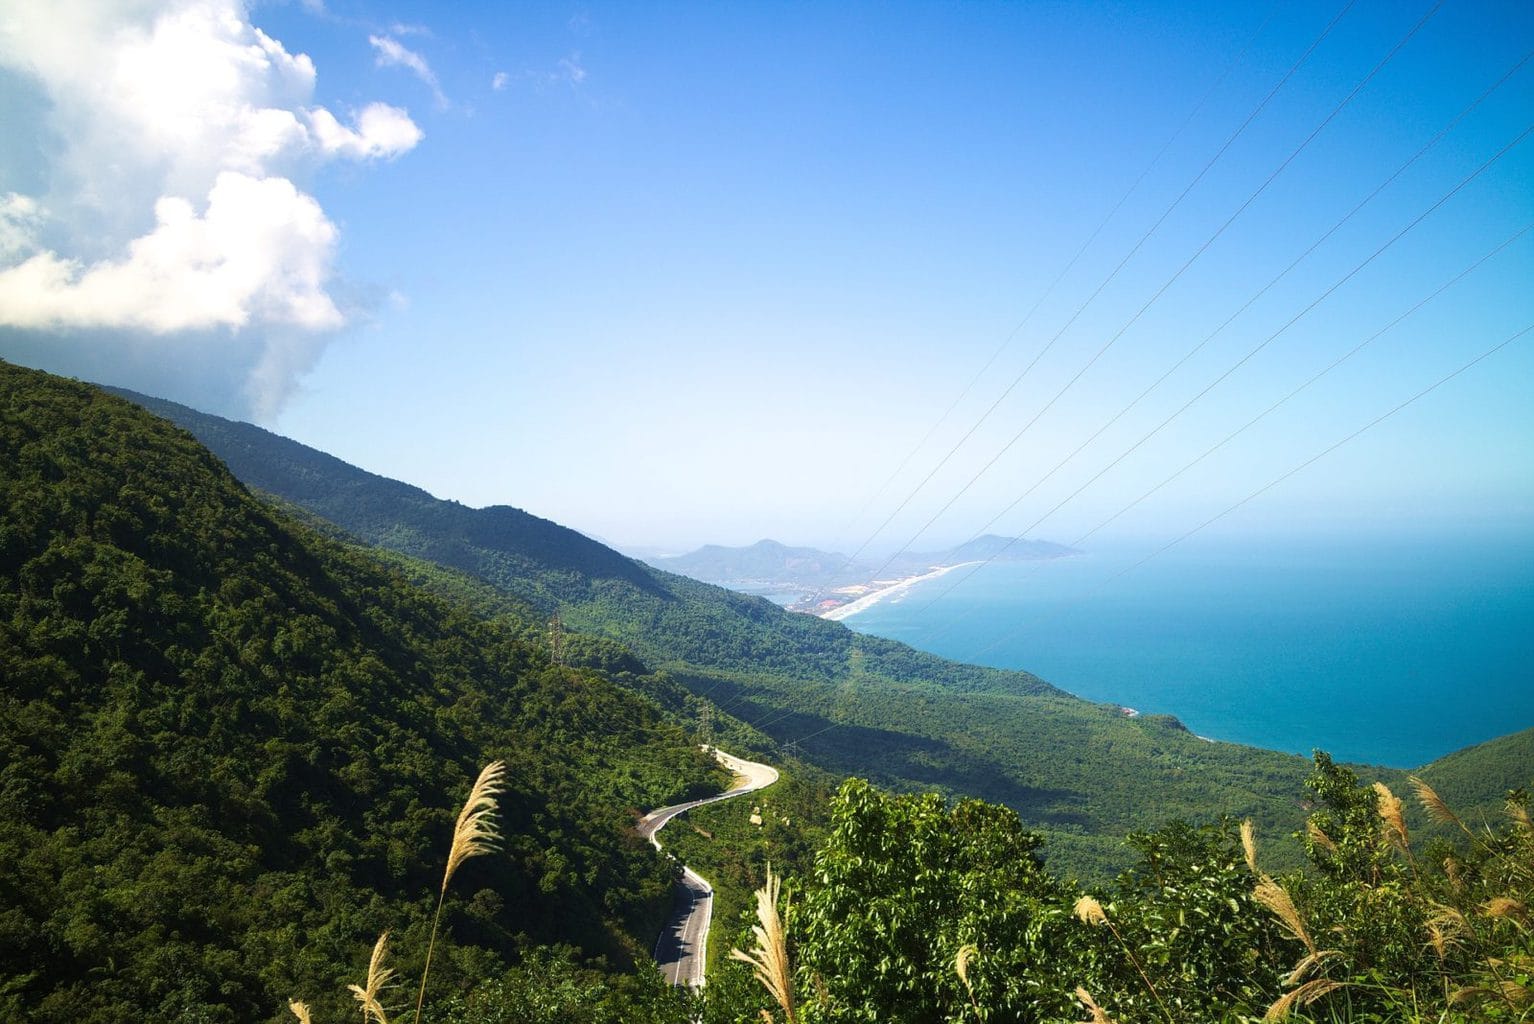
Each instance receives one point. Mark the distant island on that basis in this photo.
(833, 586)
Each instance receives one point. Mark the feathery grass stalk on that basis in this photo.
(770, 957)
(473, 834)
(1091, 912)
(300, 1010)
(1302, 996)
(378, 977)
(1435, 806)
(967, 952)
(1507, 907)
(1099, 1015)
(1520, 815)
(1390, 811)
(1249, 845)
(1276, 898)
(1320, 838)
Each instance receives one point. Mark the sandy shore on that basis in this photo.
(869, 600)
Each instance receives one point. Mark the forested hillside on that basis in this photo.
(1080, 774)
(1475, 780)
(231, 751)
(853, 705)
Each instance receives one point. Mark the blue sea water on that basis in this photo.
(1390, 653)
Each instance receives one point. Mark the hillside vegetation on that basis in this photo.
(917, 911)
(232, 746)
(850, 704)
(231, 750)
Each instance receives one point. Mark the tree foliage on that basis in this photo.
(920, 911)
(230, 749)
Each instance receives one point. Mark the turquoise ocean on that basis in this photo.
(1385, 652)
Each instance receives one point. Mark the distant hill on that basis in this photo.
(1006, 549)
(231, 750)
(559, 563)
(766, 561)
(769, 562)
(1475, 780)
(1082, 774)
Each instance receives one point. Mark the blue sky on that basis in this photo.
(688, 273)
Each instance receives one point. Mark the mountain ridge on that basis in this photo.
(772, 563)
(230, 747)
(1082, 774)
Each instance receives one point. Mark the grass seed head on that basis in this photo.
(378, 977)
(1507, 907)
(1099, 1015)
(474, 833)
(1319, 838)
(769, 959)
(1302, 996)
(1276, 898)
(1391, 814)
(961, 961)
(1434, 804)
(1089, 911)
(1249, 844)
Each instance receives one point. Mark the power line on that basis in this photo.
(1199, 347)
(772, 719)
(1271, 408)
(1169, 282)
(1350, 353)
(1107, 280)
(1276, 481)
(1451, 282)
(1069, 266)
(1246, 500)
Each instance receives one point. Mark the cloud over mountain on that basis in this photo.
(177, 138)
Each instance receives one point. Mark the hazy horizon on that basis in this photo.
(700, 275)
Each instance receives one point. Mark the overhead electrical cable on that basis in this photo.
(1165, 286)
(1210, 337)
(1350, 353)
(1437, 204)
(1276, 481)
(1069, 266)
(1334, 364)
(1294, 68)
(1463, 368)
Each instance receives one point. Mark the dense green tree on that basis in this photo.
(900, 887)
(231, 750)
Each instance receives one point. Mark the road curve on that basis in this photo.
(682, 947)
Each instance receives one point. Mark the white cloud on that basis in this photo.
(260, 252)
(499, 81)
(381, 131)
(179, 132)
(390, 52)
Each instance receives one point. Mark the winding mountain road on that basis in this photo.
(682, 948)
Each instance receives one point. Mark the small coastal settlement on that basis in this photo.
(845, 601)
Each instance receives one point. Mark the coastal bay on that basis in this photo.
(1390, 652)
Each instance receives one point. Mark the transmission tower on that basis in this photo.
(556, 640)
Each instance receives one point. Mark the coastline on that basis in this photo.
(867, 601)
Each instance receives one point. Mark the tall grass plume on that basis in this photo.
(473, 834)
(369, 994)
(769, 959)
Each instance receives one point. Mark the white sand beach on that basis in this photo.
(869, 600)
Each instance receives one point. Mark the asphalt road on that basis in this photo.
(682, 947)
